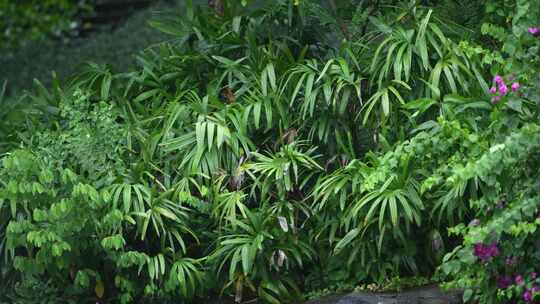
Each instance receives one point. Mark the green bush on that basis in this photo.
(499, 257)
(116, 48)
(23, 21)
(252, 158)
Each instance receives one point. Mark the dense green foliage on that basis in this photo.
(25, 20)
(37, 59)
(272, 150)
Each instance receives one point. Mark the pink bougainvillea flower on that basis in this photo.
(519, 280)
(534, 275)
(485, 252)
(495, 99)
(534, 30)
(504, 282)
(503, 89)
(527, 296)
(515, 86)
(498, 79)
(493, 90)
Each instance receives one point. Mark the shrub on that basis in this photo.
(248, 158)
(115, 48)
(498, 258)
(35, 20)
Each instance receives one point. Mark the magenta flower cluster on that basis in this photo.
(501, 89)
(485, 252)
(528, 295)
(504, 282)
(534, 30)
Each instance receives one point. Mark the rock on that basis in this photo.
(422, 295)
(327, 300)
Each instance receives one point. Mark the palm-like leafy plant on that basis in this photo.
(246, 152)
(283, 170)
(260, 255)
(421, 57)
(397, 199)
